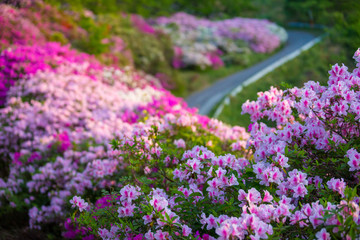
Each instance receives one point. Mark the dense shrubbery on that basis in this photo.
(117, 40)
(150, 8)
(201, 42)
(152, 50)
(60, 111)
(120, 39)
(340, 18)
(137, 163)
(300, 180)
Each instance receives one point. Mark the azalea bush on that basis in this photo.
(296, 180)
(202, 42)
(115, 39)
(39, 22)
(60, 110)
(121, 39)
(151, 50)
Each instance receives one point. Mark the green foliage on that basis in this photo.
(213, 8)
(151, 53)
(95, 33)
(146, 8)
(58, 37)
(102, 35)
(96, 6)
(313, 11)
(151, 8)
(341, 18)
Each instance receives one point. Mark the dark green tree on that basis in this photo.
(340, 17)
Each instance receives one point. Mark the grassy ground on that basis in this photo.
(313, 64)
(196, 80)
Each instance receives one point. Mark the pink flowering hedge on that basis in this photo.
(202, 42)
(39, 22)
(60, 110)
(296, 181)
(115, 39)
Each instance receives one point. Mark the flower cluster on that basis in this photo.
(20, 61)
(41, 22)
(297, 180)
(201, 42)
(60, 110)
(141, 24)
(28, 33)
(79, 203)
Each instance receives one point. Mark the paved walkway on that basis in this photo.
(205, 100)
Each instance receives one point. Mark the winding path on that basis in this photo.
(206, 99)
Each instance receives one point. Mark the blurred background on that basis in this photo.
(146, 35)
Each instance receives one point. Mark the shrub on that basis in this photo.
(61, 109)
(151, 50)
(300, 180)
(200, 42)
(115, 39)
(152, 8)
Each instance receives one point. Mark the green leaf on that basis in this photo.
(195, 194)
(340, 218)
(352, 232)
(178, 192)
(167, 217)
(178, 199)
(349, 219)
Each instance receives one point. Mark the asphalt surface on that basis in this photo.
(206, 99)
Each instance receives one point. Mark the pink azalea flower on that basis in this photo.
(79, 202)
(323, 235)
